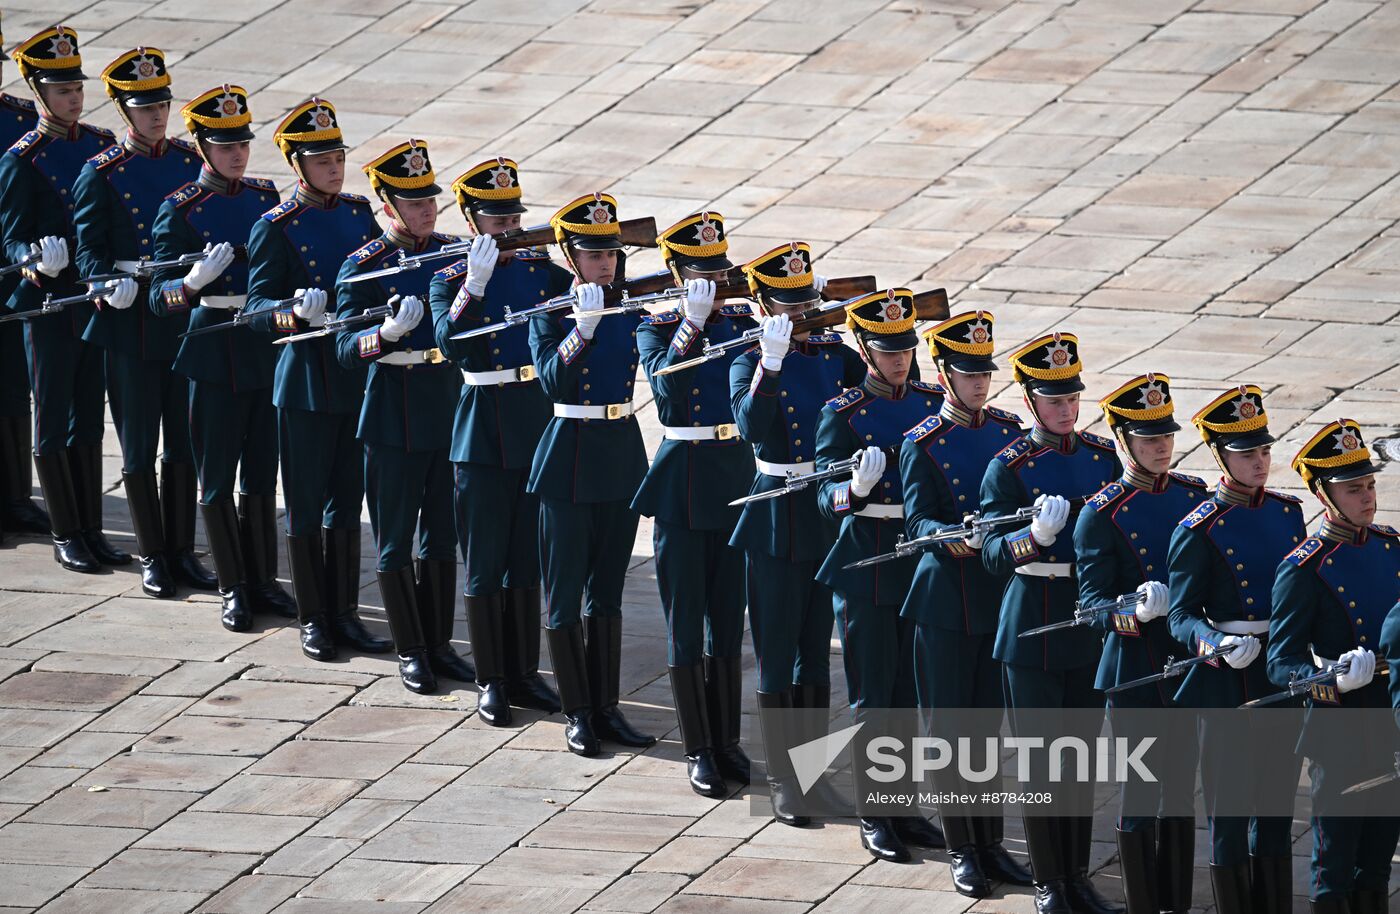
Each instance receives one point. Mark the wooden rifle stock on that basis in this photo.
(636, 233)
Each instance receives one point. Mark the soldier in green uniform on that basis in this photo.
(1120, 544)
(700, 467)
(586, 469)
(233, 428)
(869, 421)
(778, 389)
(500, 417)
(1050, 467)
(1221, 561)
(18, 512)
(292, 251)
(115, 200)
(406, 422)
(1330, 601)
(954, 601)
(65, 371)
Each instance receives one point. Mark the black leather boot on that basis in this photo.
(878, 836)
(306, 559)
(221, 523)
(603, 643)
(1176, 862)
(1048, 864)
(1271, 884)
(437, 598)
(18, 513)
(566, 652)
(1230, 884)
(776, 724)
(342, 592)
(1331, 904)
(1368, 901)
(1000, 866)
(144, 504)
(486, 627)
(1084, 896)
(1137, 861)
(697, 742)
(524, 683)
(257, 518)
(85, 463)
(813, 702)
(724, 683)
(400, 593)
(177, 501)
(69, 548)
(917, 831)
(968, 878)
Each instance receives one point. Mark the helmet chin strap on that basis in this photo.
(1330, 506)
(870, 363)
(1215, 451)
(1030, 405)
(35, 87)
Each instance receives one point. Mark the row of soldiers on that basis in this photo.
(207, 304)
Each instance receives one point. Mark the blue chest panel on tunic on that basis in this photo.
(1146, 521)
(1253, 541)
(879, 422)
(141, 184)
(59, 161)
(1076, 475)
(412, 282)
(516, 284)
(612, 362)
(1365, 582)
(707, 399)
(322, 238)
(217, 218)
(962, 455)
(15, 121)
(807, 381)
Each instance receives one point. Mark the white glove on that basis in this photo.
(773, 343)
(53, 255)
(481, 263)
(590, 298)
(1363, 667)
(818, 282)
(119, 293)
(867, 473)
(1249, 649)
(216, 260)
(403, 320)
(699, 300)
(975, 540)
(1045, 526)
(1154, 604)
(312, 304)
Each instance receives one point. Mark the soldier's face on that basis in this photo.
(148, 122)
(1355, 498)
(970, 389)
(893, 366)
(1152, 454)
(230, 160)
(1250, 468)
(494, 225)
(64, 100)
(325, 172)
(596, 266)
(418, 216)
(1056, 415)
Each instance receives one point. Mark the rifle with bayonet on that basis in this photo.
(336, 324)
(241, 318)
(1084, 615)
(145, 269)
(928, 306)
(1301, 685)
(53, 305)
(1174, 668)
(972, 525)
(636, 233)
(26, 261)
(633, 294)
(796, 482)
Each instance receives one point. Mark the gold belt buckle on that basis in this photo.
(525, 373)
(726, 431)
(614, 410)
(433, 356)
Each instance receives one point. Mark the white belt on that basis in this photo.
(1239, 627)
(781, 470)
(412, 357)
(224, 302)
(125, 266)
(1046, 569)
(889, 511)
(503, 376)
(608, 411)
(701, 433)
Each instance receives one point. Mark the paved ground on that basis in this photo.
(1205, 189)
